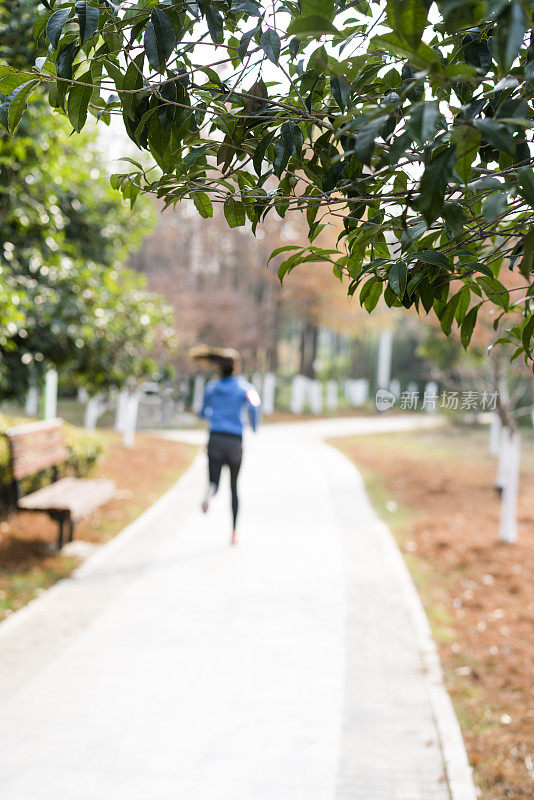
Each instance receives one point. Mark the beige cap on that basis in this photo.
(213, 355)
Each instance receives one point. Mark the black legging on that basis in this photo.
(225, 449)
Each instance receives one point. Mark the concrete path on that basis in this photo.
(296, 666)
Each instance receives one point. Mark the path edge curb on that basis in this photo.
(458, 770)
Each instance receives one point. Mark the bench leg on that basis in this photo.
(71, 530)
(60, 523)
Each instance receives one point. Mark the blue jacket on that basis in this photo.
(224, 401)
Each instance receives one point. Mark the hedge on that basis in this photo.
(85, 451)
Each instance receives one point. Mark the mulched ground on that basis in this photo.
(435, 489)
(142, 474)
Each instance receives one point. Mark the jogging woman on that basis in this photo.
(223, 405)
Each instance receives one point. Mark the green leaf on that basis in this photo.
(509, 34)
(455, 218)
(116, 180)
(65, 61)
(244, 43)
(476, 52)
(234, 211)
(311, 25)
(526, 333)
(293, 137)
(409, 19)
(40, 24)
(495, 291)
(261, 149)
(55, 24)
(10, 79)
(421, 55)
(468, 325)
(132, 79)
(294, 261)
(434, 183)
(525, 180)
(159, 40)
(494, 205)
(325, 8)
(446, 318)
(476, 266)
(467, 141)
(215, 24)
(18, 103)
(397, 276)
(203, 204)
(249, 7)
(87, 19)
(374, 295)
(527, 262)
(496, 134)
(283, 249)
(340, 91)
(365, 141)
(79, 97)
(289, 144)
(463, 304)
(432, 257)
(423, 121)
(270, 44)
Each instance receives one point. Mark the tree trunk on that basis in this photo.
(308, 349)
(272, 349)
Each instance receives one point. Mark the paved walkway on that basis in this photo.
(296, 666)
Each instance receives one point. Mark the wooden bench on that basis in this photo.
(36, 446)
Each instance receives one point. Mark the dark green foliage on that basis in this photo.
(64, 300)
(412, 138)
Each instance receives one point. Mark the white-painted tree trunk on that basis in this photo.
(357, 391)
(50, 395)
(31, 406)
(504, 458)
(131, 420)
(269, 393)
(508, 528)
(495, 434)
(298, 394)
(331, 395)
(431, 397)
(257, 382)
(316, 397)
(395, 387)
(198, 392)
(383, 367)
(92, 412)
(121, 411)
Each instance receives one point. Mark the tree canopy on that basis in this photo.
(64, 298)
(408, 123)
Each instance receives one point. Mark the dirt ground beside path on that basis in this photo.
(435, 490)
(141, 474)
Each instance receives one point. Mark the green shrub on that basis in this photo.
(85, 451)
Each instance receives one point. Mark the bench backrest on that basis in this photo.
(36, 446)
